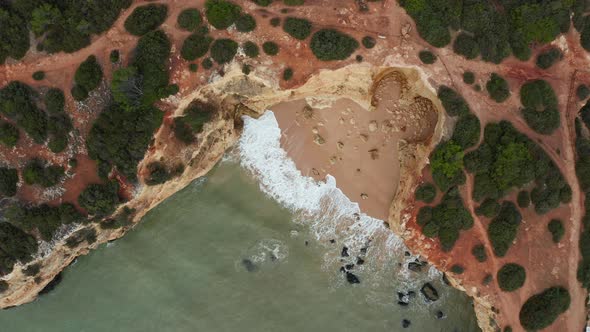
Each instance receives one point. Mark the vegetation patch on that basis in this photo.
(489, 208)
(15, 245)
(251, 49)
(511, 277)
(523, 199)
(498, 88)
(288, 74)
(43, 218)
(189, 19)
(447, 165)
(39, 75)
(146, 18)
(503, 228)
(8, 134)
(466, 45)
(426, 192)
(331, 45)
(368, 42)
(100, 199)
(270, 48)
(8, 181)
(448, 219)
(467, 131)
(457, 269)
(221, 14)
(224, 50)
(37, 172)
(542, 309)
(17, 102)
(540, 109)
(297, 28)
(159, 173)
(479, 252)
(88, 77)
(556, 229)
(245, 23)
(195, 46)
(195, 116)
(427, 57)
(468, 77)
(548, 58)
(582, 91)
(453, 102)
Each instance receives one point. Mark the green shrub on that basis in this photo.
(523, 199)
(511, 277)
(221, 14)
(223, 50)
(38, 75)
(540, 106)
(467, 131)
(424, 215)
(250, 49)
(8, 182)
(207, 63)
(503, 228)
(330, 45)
(43, 218)
(195, 116)
(275, 21)
(79, 93)
(270, 48)
(122, 219)
(582, 91)
(195, 46)
(479, 252)
(466, 46)
(556, 229)
(468, 77)
(448, 219)
(87, 234)
(88, 75)
(263, 3)
(288, 74)
(8, 134)
(17, 103)
(427, 57)
(36, 172)
(100, 199)
(489, 208)
(159, 173)
(246, 69)
(193, 67)
(15, 245)
(426, 192)
(297, 28)
(114, 56)
(245, 23)
(453, 103)
(14, 35)
(146, 18)
(542, 309)
(498, 88)
(447, 165)
(431, 26)
(151, 61)
(294, 2)
(32, 270)
(189, 19)
(58, 143)
(457, 269)
(547, 58)
(368, 42)
(55, 101)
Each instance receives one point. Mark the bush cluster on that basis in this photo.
(523, 199)
(297, 28)
(447, 219)
(467, 131)
(549, 57)
(511, 277)
(8, 134)
(189, 19)
(8, 181)
(221, 13)
(498, 88)
(43, 218)
(100, 199)
(427, 57)
(479, 252)
(146, 18)
(426, 192)
(270, 48)
(251, 49)
(468, 77)
(330, 45)
(466, 45)
(275, 21)
(542, 309)
(37, 172)
(556, 229)
(55, 101)
(195, 46)
(15, 246)
(88, 77)
(122, 219)
(288, 74)
(245, 23)
(540, 109)
(38, 75)
(503, 228)
(582, 91)
(195, 116)
(159, 173)
(17, 102)
(224, 50)
(446, 165)
(368, 42)
(489, 208)
(453, 102)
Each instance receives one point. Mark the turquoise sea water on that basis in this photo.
(183, 269)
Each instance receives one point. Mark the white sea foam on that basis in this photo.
(321, 206)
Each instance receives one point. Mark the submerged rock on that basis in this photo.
(351, 278)
(349, 266)
(360, 261)
(249, 265)
(415, 267)
(406, 323)
(429, 292)
(440, 315)
(344, 252)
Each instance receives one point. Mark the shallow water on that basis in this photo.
(182, 269)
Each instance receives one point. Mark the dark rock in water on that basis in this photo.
(51, 285)
(412, 294)
(416, 267)
(407, 253)
(364, 250)
(306, 243)
(332, 241)
(446, 280)
(406, 323)
(249, 265)
(440, 315)
(342, 269)
(429, 292)
(352, 279)
(403, 299)
(403, 304)
(349, 266)
(344, 252)
(360, 261)
(273, 257)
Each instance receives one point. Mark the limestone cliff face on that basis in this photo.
(236, 95)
